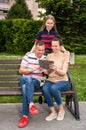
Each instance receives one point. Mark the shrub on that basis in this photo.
(20, 35)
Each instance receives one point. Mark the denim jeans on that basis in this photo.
(53, 90)
(28, 85)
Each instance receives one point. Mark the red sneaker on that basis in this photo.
(33, 110)
(23, 122)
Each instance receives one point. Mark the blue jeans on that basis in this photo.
(53, 90)
(28, 85)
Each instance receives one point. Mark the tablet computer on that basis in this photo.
(45, 63)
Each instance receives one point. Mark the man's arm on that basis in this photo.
(24, 70)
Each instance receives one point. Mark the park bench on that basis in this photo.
(9, 85)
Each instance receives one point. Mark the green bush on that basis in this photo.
(17, 37)
(2, 38)
(20, 34)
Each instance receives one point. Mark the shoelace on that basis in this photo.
(23, 119)
(33, 107)
(60, 114)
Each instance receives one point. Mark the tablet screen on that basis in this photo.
(45, 63)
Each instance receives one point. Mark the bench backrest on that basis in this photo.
(9, 75)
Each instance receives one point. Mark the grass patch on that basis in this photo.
(79, 77)
(14, 99)
(10, 99)
(9, 56)
(80, 59)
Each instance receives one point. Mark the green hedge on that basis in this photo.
(17, 37)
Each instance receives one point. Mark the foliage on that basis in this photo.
(19, 35)
(19, 10)
(2, 40)
(71, 21)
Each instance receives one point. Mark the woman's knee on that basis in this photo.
(53, 89)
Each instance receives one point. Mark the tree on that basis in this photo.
(19, 10)
(70, 19)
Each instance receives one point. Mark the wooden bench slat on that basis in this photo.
(6, 66)
(67, 92)
(14, 92)
(17, 91)
(14, 78)
(10, 61)
(9, 84)
(9, 72)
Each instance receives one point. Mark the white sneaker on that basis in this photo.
(51, 117)
(60, 115)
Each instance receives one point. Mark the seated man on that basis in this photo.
(30, 81)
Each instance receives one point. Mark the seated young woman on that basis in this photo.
(57, 80)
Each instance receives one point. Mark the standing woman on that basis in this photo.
(47, 33)
(57, 81)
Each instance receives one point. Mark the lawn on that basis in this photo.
(79, 76)
(78, 72)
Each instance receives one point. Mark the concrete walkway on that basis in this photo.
(11, 113)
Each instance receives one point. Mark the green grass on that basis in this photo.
(78, 73)
(80, 59)
(79, 77)
(10, 56)
(10, 99)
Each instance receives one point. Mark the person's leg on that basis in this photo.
(32, 106)
(25, 111)
(47, 94)
(56, 90)
(27, 86)
(48, 98)
(36, 85)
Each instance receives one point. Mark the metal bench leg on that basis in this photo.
(40, 100)
(72, 105)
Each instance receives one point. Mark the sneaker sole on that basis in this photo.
(20, 126)
(34, 113)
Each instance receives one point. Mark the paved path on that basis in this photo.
(10, 115)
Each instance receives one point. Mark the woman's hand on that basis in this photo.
(53, 67)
